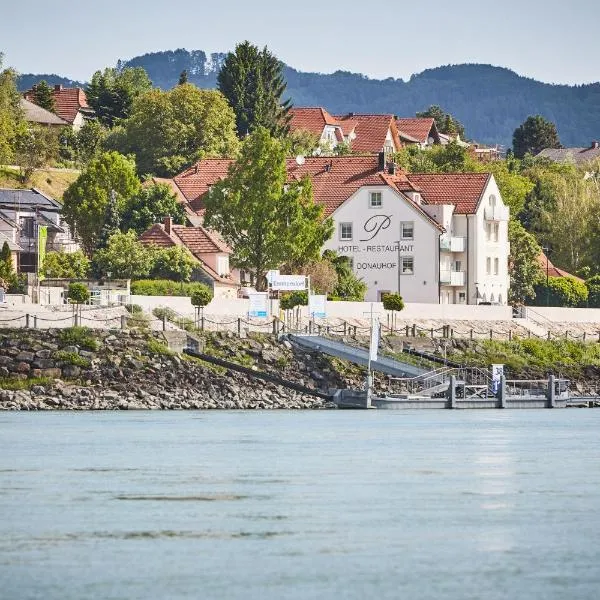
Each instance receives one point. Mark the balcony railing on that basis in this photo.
(496, 213)
(452, 278)
(452, 244)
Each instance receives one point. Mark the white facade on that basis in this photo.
(394, 247)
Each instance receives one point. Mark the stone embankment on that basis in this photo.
(75, 369)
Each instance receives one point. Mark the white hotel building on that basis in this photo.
(434, 238)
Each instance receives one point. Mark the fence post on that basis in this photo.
(584, 336)
(345, 328)
(274, 326)
(510, 335)
(164, 322)
(414, 330)
(471, 333)
(432, 333)
(491, 334)
(551, 392)
(123, 321)
(567, 334)
(239, 327)
(27, 320)
(452, 333)
(548, 335)
(310, 327)
(76, 319)
(35, 322)
(202, 322)
(452, 391)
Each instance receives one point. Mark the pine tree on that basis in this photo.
(183, 77)
(43, 96)
(533, 135)
(253, 83)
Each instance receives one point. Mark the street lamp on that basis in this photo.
(546, 251)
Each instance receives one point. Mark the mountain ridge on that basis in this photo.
(490, 100)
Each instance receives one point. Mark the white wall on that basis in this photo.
(374, 251)
(563, 315)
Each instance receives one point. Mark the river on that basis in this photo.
(299, 505)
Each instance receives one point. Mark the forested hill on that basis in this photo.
(490, 101)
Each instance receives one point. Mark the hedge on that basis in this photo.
(164, 287)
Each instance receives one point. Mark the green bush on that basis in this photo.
(562, 291)
(79, 336)
(157, 347)
(134, 309)
(393, 302)
(201, 296)
(593, 286)
(164, 287)
(293, 299)
(164, 311)
(78, 293)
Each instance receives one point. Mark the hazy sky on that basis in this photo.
(555, 41)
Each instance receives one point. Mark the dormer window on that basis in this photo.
(375, 200)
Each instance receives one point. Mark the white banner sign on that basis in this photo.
(497, 372)
(259, 304)
(288, 282)
(317, 306)
(374, 340)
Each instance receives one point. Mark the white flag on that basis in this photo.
(374, 340)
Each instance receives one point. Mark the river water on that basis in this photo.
(270, 505)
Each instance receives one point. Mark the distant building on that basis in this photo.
(417, 130)
(22, 214)
(432, 237)
(210, 252)
(575, 155)
(551, 271)
(71, 105)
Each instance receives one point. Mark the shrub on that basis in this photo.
(393, 302)
(201, 296)
(293, 299)
(78, 293)
(164, 312)
(593, 286)
(79, 336)
(134, 309)
(71, 358)
(562, 291)
(156, 347)
(163, 287)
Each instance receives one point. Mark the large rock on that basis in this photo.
(25, 357)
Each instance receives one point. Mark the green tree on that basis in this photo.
(66, 265)
(124, 257)
(302, 142)
(266, 221)
(8, 276)
(201, 297)
(291, 300)
(85, 201)
(393, 303)
(253, 83)
(348, 286)
(44, 96)
(78, 293)
(112, 220)
(11, 118)
(593, 286)
(444, 122)
(169, 131)
(523, 264)
(174, 263)
(533, 135)
(34, 147)
(150, 205)
(111, 92)
(183, 77)
(563, 291)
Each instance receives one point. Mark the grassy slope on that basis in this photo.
(52, 182)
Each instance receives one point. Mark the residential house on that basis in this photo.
(22, 214)
(319, 122)
(40, 116)
(433, 237)
(576, 155)
(421, 131)
(210, 252)
(71, 105)
(552, 271)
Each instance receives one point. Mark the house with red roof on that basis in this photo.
(421, 131)
(210, 252)
(71, 105)
(431, 237)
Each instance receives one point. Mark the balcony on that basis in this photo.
(452, 244)
(496, 213)
(452, 278)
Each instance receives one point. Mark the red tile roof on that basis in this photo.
(464, 190)
(69, 101)
(371, 131)
(418, 129)
(311, 119)
(334, 179)
(553, 271)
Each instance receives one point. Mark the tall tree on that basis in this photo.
(150, 205)
(266, 221)
(11, 118)
(183, 77)
(533, 135)
(35, 146)
(124, 257)
(169, 131)
(523, 264)
(253, 83)
(111, 92)
(43, 96)
(85, 201)
(112, 220)
(444, 122)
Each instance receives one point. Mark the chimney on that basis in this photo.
(595, 145)
(168, 222)
(58, 87)
(381, 161)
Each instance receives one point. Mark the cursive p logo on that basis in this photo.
(375, 224)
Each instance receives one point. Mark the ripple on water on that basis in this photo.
(190, 498)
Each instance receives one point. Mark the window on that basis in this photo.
(223, 265)
(496, 266)
(408, 267)
(407, 230)
(492, 201)
(458, 265)
(488, 231)
(495, 227)
(345, 231)
(375, 200)
(27, 227)
(488, 265)
(462, 297)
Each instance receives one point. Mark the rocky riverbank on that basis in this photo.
(78, 369)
